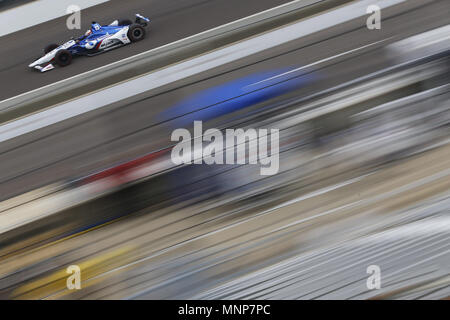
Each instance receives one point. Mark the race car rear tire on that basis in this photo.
(63, 58)
(136, 33)
(50, 47)
(125, 22)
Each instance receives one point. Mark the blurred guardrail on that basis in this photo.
(161, 56)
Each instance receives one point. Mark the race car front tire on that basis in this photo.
(50, 47)
(63, 58)
(136, 33)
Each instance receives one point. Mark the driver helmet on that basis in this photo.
(88, 33)
(95, 26)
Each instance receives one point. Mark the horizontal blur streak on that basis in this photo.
(363, 181)
(235, 95)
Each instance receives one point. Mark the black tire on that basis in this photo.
(136, 33)
(50, 47)
(63, 58)
(125, 22)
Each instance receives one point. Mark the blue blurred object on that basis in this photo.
(235, 95)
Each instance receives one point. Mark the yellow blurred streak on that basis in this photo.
(56, 282)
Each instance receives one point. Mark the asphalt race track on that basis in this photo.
(171, 20)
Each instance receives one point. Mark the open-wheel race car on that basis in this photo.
(96, 40)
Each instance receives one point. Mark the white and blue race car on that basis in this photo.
(96, 40)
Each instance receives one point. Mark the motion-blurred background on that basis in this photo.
(86, 176)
